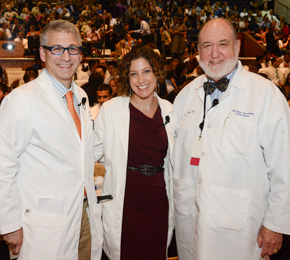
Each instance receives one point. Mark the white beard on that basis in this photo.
(227, 68)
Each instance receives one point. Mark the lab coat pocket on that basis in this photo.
(227, 208)
(238, 135)
(184, 197)
(43, 237)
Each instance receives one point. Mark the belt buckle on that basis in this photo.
(146, 169)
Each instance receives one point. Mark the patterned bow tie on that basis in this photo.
(221, 85)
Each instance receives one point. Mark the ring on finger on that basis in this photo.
(276, 251)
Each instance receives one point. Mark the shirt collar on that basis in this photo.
(61, 89)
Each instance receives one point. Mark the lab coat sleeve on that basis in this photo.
(275, 142)
(15, 134)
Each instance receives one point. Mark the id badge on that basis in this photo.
(196, 151)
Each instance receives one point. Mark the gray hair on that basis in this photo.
(59, 26)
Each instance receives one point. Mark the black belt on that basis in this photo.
(146, 169)
(101, 198)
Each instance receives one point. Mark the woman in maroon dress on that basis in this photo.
(138, 221)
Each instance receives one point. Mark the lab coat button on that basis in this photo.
(203, 154)
(208, 126)
(199, 181)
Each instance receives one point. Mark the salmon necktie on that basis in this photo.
(75, 116)
(71, 108)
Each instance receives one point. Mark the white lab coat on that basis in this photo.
(112, 130)
(278, 77)
(243, 180)
(43, 169)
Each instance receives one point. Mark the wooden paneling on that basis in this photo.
(249, 46)
(16, 52)
(16, 62)
(28, 61)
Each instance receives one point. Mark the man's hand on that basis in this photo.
(14, 240)
(270, 241)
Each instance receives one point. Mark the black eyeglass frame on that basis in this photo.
(64, 49)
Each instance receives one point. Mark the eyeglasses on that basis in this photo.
(58, 50)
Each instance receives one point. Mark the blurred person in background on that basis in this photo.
(3, 91)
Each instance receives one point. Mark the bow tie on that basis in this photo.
(221, 85)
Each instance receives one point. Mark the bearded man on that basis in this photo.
(231, 157)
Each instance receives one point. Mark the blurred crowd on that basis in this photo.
(169, 27)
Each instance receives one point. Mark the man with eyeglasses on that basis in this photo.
(47, 194)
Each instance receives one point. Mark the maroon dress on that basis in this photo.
(145, 213)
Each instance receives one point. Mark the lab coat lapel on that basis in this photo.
(84, 114)
(56, 102)
(199, 87)
(235, 83)
(52, 95)
(225, 94)
(166, 110)
(121, 121)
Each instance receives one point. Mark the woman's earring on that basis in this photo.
(157, 90)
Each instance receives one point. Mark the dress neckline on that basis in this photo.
(136, 109)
